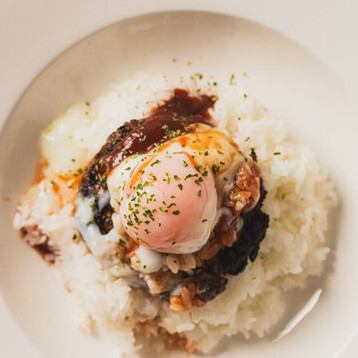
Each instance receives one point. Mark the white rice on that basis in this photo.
(298, 199)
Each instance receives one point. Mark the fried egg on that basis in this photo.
(168, 198)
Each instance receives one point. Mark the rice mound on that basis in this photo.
(299, 195)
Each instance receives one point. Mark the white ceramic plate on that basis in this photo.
(304, 85)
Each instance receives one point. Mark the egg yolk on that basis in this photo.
(169, 205)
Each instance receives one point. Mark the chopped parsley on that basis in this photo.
(171, 133)
(215, 169)
(155, 163)
(167, 178)
(190, 176)
(197, 167)
(199, 180)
